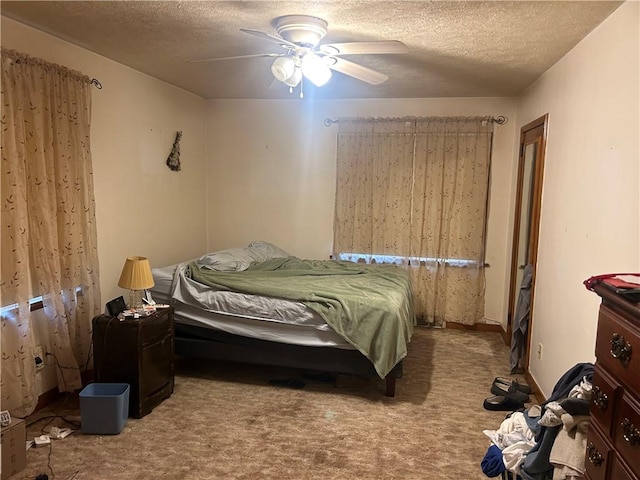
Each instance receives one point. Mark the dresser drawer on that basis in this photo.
(603, 399)
(626, 439)
(598, 456)
(618, 472)
(618, 348)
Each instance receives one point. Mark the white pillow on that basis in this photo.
(233, 259)
(270, 250)
(238, 259)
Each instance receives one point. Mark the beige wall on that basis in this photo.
(142, 207)
(272, 174)
(590, 220)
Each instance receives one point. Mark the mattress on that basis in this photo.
(253, 316)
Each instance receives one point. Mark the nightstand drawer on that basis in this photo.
(157, 360)
(152, 399)
(156, 328)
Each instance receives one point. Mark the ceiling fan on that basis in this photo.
(304, 57)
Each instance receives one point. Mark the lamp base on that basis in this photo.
(135, 300)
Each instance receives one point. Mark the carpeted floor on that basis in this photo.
(225, 421)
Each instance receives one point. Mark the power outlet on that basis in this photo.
(539, 351)
(38, 356)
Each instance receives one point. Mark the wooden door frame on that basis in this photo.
(532, 132)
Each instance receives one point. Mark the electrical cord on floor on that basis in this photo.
(53, 475)
(70, 422)
(44, 476)
(50, 418)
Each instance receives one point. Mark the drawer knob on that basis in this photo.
(630, 433)
(600, 399)
(620, 349)
(594, 455)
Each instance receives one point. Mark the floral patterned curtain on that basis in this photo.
(413, 191)
(49, 242)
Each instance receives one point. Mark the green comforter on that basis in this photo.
(371, 306)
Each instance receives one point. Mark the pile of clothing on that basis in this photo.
(545, 441)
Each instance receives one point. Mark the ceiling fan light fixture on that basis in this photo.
(315, 69)
(300, 36)
(301, 29)
(295, 78)
(283, 68)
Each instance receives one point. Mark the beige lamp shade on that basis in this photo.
(136, 274)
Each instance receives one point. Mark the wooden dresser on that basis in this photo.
(613, 442)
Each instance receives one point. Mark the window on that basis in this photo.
(413, 191)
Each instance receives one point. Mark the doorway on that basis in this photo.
(525, 237)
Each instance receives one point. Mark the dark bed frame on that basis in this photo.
(192, 341)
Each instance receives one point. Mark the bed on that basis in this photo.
(258, 304)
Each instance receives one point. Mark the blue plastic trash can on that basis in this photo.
(104, 408)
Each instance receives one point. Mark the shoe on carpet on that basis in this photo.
(502, 403)
(508, 383)
(511, 393)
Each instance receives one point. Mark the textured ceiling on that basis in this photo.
(457, 48)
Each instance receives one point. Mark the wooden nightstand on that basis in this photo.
(138, 352)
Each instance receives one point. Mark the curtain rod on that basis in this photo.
(18, 57)
(500, 120)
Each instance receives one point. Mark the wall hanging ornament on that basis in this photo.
(173, 161)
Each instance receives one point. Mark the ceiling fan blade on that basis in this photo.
(364, 48)
(358, 71)
(237, 56)
(270, 38)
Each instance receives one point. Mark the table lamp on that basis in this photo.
(136, 276)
